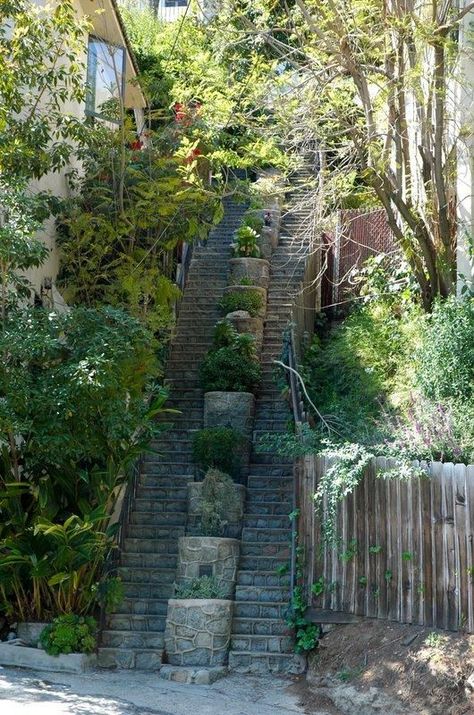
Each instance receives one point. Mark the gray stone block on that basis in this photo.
(37, 659)
(192, 676)
(256, 270)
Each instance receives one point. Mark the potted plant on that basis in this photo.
(229, 374)
(198, 624)
(251, 298)
(248, 262)
(215, 509)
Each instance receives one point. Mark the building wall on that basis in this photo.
(105, 26)
(464, 92)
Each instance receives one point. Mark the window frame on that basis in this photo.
(90, 91)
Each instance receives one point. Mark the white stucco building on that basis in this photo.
(464, 94)
(111, 71)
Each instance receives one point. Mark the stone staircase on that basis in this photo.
(135, 633)
(261, 641)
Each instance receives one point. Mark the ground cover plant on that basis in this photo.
(250, 300)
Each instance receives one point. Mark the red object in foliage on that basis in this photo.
(136, 145)
(179, 112)
(193, 155)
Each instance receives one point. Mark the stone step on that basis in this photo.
(268, 549)
(263, 425)
(176, 469)
(137, 531)
(161, 505)
(143, 607)
(142, 591)
(271, 483)
(258, 508)
(143, 559)
(128, 659)
(261, 610)
(264, 663)
(155, 518)
(264, 579)
(128, 622)
(264, 563)
(268, 594)
(178, 447)
(257, 535)
(156, 494)
(263, 627)
(146, 575)
(267, 522)
(268, 496)
(150, 479)
(262, 643)
(137, 545)
(148, 640)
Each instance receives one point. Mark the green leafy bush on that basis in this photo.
(253, 220)
(202, 587)
(232, 364)
(219, 500)
(70, 634)
(249, 300)
(218, 447)
(246, 242)
(73, 419)
(445, 359)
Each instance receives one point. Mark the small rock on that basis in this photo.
(470, 683)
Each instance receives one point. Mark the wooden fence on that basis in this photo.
(404, 549)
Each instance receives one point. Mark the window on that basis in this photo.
(105, 79)
(176, 3)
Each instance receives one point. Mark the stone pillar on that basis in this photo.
(198, 631)
(244, 323)
(230, 409)
(213, 556)
(256, 270)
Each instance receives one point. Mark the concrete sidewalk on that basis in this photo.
(133, 693)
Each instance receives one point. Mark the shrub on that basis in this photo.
(246, 243)
(445, 360)
(243, 281)
(73, 419)
(202, 587)
(249, 300)
(218, 447)
(231, 365)
(230, 370)
(254, 221)
(70, 634)
(219, 499)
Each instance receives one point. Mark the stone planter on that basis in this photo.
(255, 269)
(268, 240)
(30, 632)
(230, 409)
(36, 659)
(233, 528)
(214, 556)
(245, 289)
(244, 323)
(198, 631)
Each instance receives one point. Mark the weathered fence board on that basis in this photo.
(404, 549)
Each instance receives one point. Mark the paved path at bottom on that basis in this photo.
(25, 692)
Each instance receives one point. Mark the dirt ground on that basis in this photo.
(375, 667)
